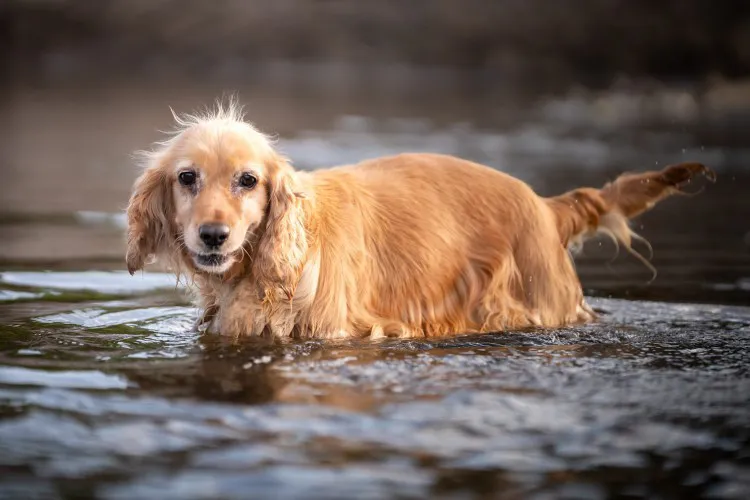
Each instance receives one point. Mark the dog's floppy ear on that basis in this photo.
(283, 245)
(149, 219)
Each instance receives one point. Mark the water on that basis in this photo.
(106, 392)
(115, 397)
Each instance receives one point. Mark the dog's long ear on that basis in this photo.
(149, 219)
(283, 245)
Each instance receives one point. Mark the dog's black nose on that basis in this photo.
(213, 235)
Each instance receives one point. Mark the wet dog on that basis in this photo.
(408, 245)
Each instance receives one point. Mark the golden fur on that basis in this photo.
(408, 245)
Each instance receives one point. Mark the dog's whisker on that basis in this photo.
(245, 252)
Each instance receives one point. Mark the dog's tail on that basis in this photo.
(583, 212)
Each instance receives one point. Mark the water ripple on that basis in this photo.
(123, 399)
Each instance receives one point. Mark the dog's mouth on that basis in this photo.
(212, 262)
(210, 259)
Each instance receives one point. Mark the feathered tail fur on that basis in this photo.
(583, 212)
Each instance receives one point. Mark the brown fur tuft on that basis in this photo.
(583, 212)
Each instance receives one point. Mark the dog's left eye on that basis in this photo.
(187, 178)
(248, 180)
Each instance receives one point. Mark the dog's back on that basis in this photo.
(432, 244)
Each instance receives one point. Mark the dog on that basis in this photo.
(412, 245)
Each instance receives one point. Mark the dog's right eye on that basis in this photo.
(187, 178)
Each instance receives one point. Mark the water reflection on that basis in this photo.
(652, 400)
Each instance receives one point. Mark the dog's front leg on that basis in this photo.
(207, 319)
(240, 315)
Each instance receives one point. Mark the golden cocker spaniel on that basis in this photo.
(407, 245)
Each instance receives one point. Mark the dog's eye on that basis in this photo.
(187, 178)
(248, 180)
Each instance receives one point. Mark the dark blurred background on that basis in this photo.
(557, 93)
(541, 43)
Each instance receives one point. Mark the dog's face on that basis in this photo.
(217, 193)
(220, 185)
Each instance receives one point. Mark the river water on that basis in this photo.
(105, 392)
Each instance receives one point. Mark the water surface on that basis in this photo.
(109, 393)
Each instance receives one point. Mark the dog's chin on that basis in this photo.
(214, 263)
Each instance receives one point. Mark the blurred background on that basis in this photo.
(559, 94)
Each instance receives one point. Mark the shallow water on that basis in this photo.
(106, 392)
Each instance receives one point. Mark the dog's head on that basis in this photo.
(214, 194)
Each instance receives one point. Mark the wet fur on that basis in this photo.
(408, 245)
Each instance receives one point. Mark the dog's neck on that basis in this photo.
(217, 289)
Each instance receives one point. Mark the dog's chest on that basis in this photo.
(239, 309)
